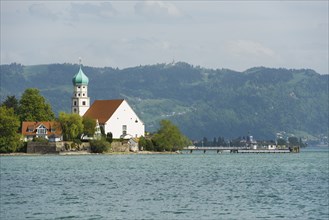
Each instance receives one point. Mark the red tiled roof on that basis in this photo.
(33, 125)
(102, 110)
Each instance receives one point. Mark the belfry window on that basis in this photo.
(75, 103)
(84, 103)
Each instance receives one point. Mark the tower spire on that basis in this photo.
(80, 99)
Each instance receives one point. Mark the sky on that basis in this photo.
(213, 34)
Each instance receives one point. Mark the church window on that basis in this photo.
(75, 103)
(83, 94)
(124, 129)
(78, 87)
(83, 87)
(78, 94)
(75, 110)
(84, 103)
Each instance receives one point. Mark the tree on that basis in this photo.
(281, 142)
(99, 146)
(169, 137)
(293, 141)
(221, 141)
(109, 137)
(146, 144)
(33, 107)
(89, 126)
(214, 142)
(9, 124)
(102, 131)
(204, 142)
(11, 102)
(72, 125)
(149, 145)
(141, 143)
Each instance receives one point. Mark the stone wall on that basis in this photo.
(43, 148)
(120, 146)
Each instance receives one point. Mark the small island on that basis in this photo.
(29, 126)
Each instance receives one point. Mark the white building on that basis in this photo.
(116, 117)
(80, 99)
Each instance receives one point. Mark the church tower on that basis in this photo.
(80, 99)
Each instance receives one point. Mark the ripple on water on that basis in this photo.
(197, 186)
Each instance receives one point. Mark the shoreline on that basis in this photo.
(78, 153)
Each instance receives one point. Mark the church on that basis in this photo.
(113, 116)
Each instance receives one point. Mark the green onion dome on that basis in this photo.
(80, 78)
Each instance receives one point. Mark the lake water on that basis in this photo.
(186, 186)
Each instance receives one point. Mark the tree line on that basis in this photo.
(32, 106)
(167, 138)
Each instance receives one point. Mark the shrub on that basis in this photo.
(109, 137)
(99, 146)
(22, 148)
(40, 139)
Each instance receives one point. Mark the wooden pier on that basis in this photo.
(236, 150)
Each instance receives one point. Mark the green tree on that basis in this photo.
(99, 146)
(9, 124)
(72, 125)
(214, 142)
(109, 137)
(293, 141)
(281, 142)
(141, 143)
(169, 137)
(221, 141)
(89, 126)
(11, 102)
(102, 131)
(33, 107)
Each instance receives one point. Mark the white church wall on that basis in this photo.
(125, 116)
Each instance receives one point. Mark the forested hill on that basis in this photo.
(202, 102)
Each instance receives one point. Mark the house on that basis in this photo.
(116, 117)
(112, 116)
(50, 130)
(133, 144)
(271, 146)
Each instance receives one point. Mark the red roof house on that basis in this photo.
(50, 130)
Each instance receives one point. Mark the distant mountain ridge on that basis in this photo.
(202, 102)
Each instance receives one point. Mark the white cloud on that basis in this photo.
(101, 10)
(42, 11)
(212, 33)
(157, 9)
(249, 48)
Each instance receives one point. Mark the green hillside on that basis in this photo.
(202, 102)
